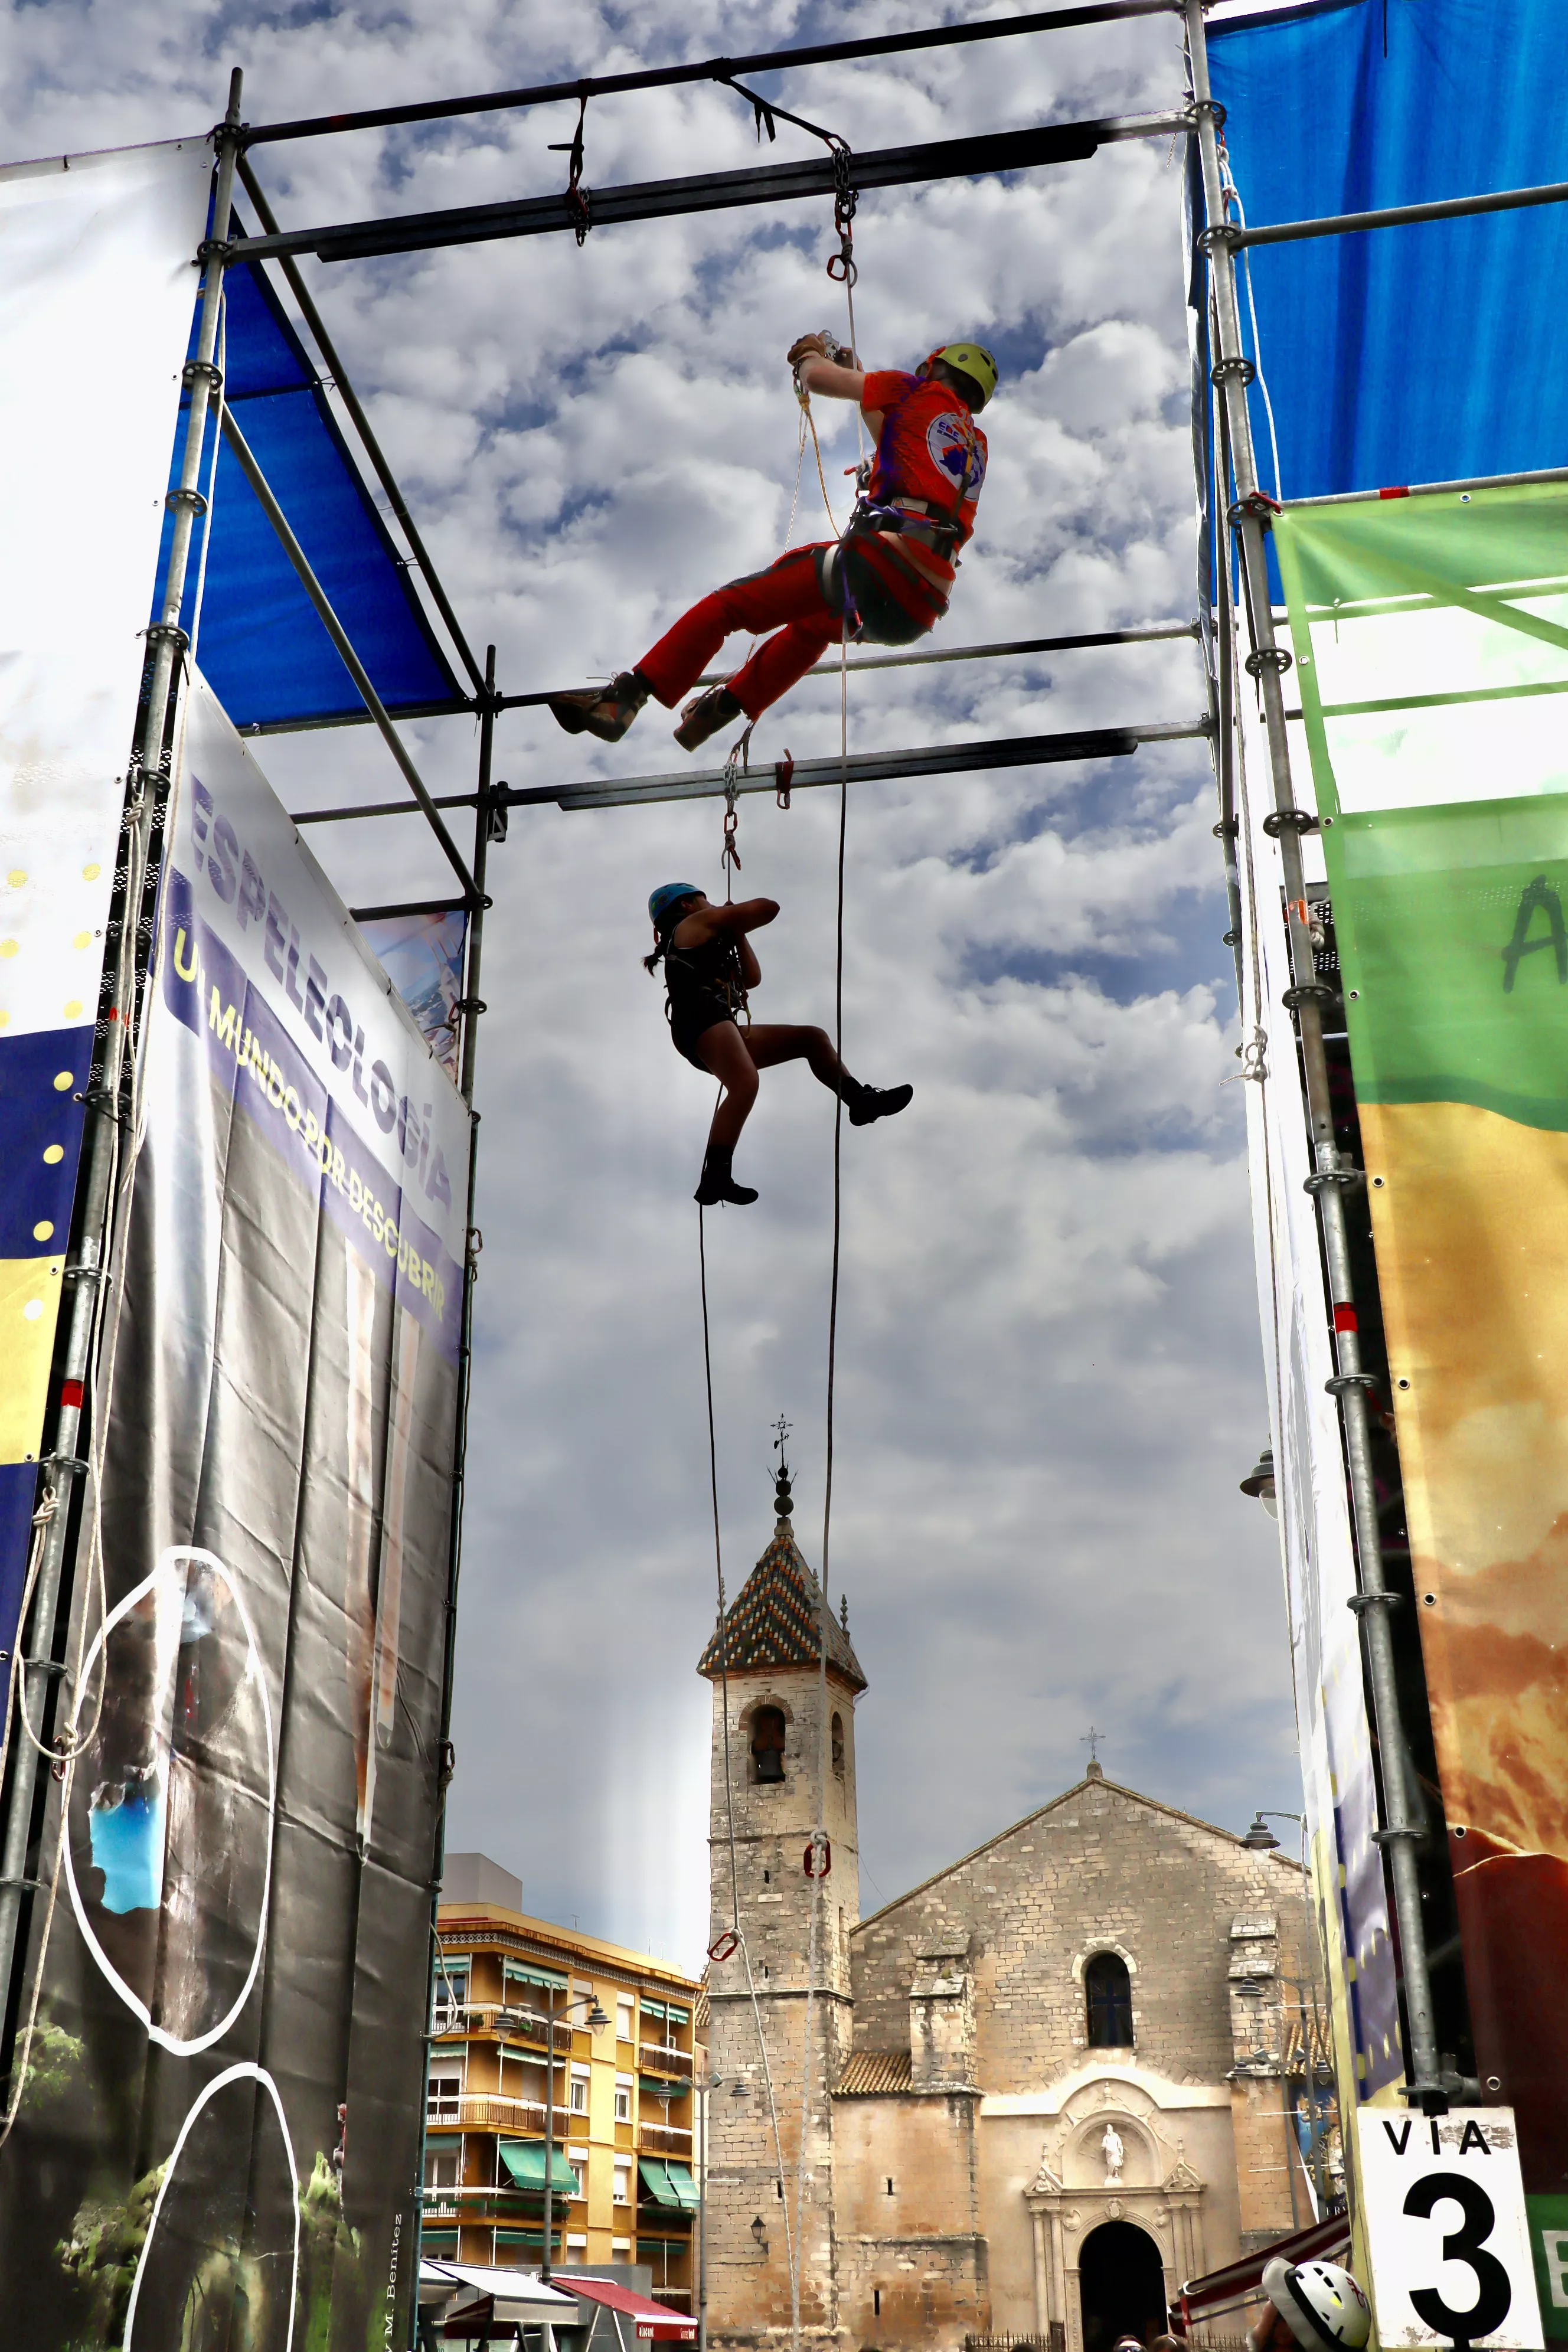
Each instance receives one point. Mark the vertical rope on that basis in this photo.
(819, 1848)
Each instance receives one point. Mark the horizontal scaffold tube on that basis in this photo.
(705, 192)
(865, 767)
(1156, 633)
(719, 69)
(1504, 200)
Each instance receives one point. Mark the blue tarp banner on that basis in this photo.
(1429, 353)
(261, 646)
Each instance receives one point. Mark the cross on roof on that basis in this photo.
(1090, 1741)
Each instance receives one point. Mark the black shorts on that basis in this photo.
(685, 1032)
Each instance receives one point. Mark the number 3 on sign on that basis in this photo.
(1448, 2229)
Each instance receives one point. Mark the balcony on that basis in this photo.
(498, 2021)
(663, 2058)
(663, 2139)
(489, 2111)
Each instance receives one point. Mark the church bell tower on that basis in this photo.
(781, 1911)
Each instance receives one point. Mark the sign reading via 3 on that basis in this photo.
(1448, 2229)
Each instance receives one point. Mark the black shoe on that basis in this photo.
(717, 1182)
(605, 711)
(704, 715)
(877, 1102)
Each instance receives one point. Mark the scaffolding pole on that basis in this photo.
(1266, 663)
(1156, 633)
(1503, 200)
(793, 775)
(717, 69)
(471, 1008)
(706, 192)
(87, 1264)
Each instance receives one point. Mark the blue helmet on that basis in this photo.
(668, 895)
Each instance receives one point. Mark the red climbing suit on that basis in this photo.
(928, 438)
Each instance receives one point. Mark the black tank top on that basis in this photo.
(705, 985)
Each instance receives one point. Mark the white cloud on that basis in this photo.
(1048, 1370)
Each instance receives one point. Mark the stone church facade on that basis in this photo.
(1034, 2095)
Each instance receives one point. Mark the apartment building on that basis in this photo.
(623, 2026)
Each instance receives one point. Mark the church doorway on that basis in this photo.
(1121, 2285)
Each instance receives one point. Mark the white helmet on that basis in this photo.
(1320, 2304)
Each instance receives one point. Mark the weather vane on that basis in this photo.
(783, 1428)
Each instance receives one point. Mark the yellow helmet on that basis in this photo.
(972, 360)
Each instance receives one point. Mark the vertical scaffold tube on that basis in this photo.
(1402, 1812)
(87, 1266)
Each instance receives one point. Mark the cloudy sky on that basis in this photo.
(1049, 1369)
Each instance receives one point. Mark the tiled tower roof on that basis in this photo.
(776, 1618)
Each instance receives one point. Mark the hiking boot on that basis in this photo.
(605, 711)
(868, 1103)
(704, 715)
(717, 1184)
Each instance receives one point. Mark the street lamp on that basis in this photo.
(594, 2021)
(1260, 1839)
(1259, 1481)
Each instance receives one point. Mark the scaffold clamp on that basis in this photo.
(1343, 1382)
(1278, 658)
(1241, 368)
(1256, 507)
(1348, 1180)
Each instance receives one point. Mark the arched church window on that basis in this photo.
(768, 1744)
(1108, 1997)
(837, 1729)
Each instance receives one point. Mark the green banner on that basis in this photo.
(1431, 648)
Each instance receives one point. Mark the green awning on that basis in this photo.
(683, 2183)
(652, 2008)
(525, 2159)
(656, 2180)
(524, 1972)
(679, 2016)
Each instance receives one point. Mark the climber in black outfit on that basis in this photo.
(710, 965)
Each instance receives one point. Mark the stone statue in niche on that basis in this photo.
(1115, 2156)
